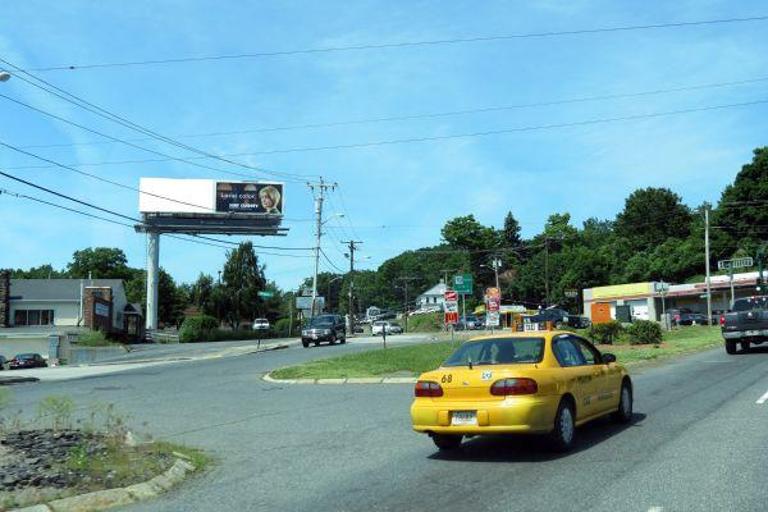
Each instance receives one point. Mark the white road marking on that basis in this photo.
(762, 399)
(655, 509)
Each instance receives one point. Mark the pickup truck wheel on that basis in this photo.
(730, 347)
(446, 442)
(745, 346)
(305, 344)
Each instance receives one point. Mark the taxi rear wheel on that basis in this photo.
(564, 431)
(446, 441)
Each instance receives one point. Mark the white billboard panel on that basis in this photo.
(166, 195)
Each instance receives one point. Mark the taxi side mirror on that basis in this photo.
(609, 358)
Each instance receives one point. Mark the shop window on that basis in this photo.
(33, 317)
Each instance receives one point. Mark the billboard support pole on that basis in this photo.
(153, 278)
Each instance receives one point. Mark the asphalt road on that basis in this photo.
(698, 442)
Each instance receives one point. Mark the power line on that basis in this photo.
(116, 139)
(73, 210)
(405, 44)
(325, 256)
(106, 114)
(432, 115)
(133, 219)
(486, 133)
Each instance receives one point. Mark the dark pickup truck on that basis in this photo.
(747, 323)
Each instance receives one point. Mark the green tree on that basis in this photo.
(511, 232)
(42, 272)
(201, 294)
(243, 279)
(99, 263)
(651, 216)
(742, 213)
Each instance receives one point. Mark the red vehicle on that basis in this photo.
(27, 361)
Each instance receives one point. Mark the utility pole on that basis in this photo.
(352, 245)
(319, 187)
(546, 270)
(706, 263)
(406, 280)
(496, 262)
(445, 275)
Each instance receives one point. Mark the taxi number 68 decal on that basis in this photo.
(447, 379)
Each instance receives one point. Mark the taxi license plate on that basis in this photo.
(464, 418)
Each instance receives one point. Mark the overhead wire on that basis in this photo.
(60, 93)
(486, 133)
(431, 115)
(407, 44)
(134, 219)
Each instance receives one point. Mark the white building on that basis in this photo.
(434, 298)
(51, 303)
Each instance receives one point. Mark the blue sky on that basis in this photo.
(411, 189)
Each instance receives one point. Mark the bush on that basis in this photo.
(429, 322)
(644, 332)
(281, 328)
(197, 328)
(94, 338)
(605, 333)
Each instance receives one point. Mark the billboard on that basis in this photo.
(191, 196)
(240, 197)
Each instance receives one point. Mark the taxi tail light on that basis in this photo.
(425, 388)
(506, 387)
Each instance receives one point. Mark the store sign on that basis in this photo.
(492, 306)
(101, 309)
(735, 263)
(451, 306)
(451, 317)
(235, 197)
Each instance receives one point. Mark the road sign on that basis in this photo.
(492, 319)
(463, 283)
(661, 287)
(451, 317)
(305, 303)
(735, 263)
(571, 294)
(266, 295)
(451, 296)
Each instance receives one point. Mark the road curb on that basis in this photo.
(120, 496)
(352, 380)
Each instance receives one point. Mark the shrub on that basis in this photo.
(605, 333)
(94, 338)
(281, 328)
(644, 332)
(197, 328)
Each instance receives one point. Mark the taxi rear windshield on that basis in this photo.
(498, 351)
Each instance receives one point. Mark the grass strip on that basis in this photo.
(416, 359)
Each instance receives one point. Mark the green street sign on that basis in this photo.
(463, 284)
(266, 295)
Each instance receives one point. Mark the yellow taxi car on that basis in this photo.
(540, 382)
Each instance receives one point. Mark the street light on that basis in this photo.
(334, 216)
(4, 76)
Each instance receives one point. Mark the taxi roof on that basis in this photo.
(519, 334)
